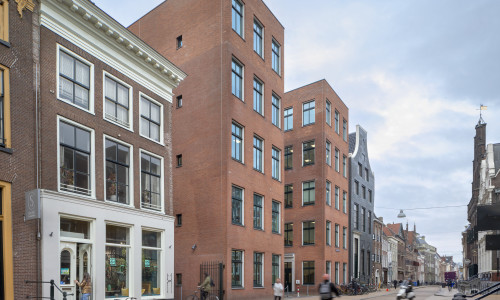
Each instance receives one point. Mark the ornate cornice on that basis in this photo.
(116, 36)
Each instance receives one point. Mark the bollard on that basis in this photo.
(298, 291)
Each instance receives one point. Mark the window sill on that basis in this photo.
(307, 204)
(6, 150)
(305, 245)
(238, 224)
(239, 35)
(259, 171)
(259, 229)
(288, 207)
(259, 287)
(308, 164)
(288, 169)
(287, 130)
(5, 43)
(278, 180)
(305, 125)
(179, 166)
(237, 287)
(238, 161)
(277, 233)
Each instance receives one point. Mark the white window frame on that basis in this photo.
(162, 182)
(337, 235)
(306, 102)
(337, 197)
(285, 118)
(279, 216)
(162, 256)
(242, 269)
(314, 191)
(242, 143)
(253, 204)
(261, 270)
(242, 33)
(91, 158)
(92, 85)
(130, 246)
(328, 191)
(243, 206)
(242, 66)
(328, 150)
(274, 41)
(278, 177)
(262, 105)
(262, 153)
(130, 100)
(162, 121)
(130, 172)
(328, 230)
(278, 113)
(328, 112)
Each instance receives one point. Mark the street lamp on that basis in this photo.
(402, 215)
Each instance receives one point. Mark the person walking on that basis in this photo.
(85, 286)
(395, 282)
(206, 286)
(278, 289)
(326, 288)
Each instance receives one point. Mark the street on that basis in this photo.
(422, 293)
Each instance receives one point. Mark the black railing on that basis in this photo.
(215, 270)
(52, 290)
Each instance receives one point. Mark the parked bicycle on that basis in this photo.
(195, 296)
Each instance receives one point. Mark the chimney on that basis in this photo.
(414, 227)
(381, 219)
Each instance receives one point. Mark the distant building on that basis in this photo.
(378, 272)
(316, 185)
(361, 199)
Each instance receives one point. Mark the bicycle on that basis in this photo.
(195, 296)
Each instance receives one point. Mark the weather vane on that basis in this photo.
(481, 108)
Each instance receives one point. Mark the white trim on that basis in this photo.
(91, 78)
(86, 26)
(162, 179)
(91, 158)
(130, 100)
(162, 121)
(130, 171)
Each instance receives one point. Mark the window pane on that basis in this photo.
(74, 228)
(82, 140)
(117, 235)
(151, 270)
(117, 271)
(110, 88)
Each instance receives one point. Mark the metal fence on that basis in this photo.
(215, 270)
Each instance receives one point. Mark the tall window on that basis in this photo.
(151, 262)
(370, 195)
(369, 222)
(237, 268)
(275, 268)
(337, 233)
(116, 102)
(360, 169)
(356, 216)
(308, 272)
(276, 217)
(150, 182)
(258, 219)
(308, 233)
(337, 161)
(275, 112)
(2, 101)
(337, 265)
(328, 153)
(344, 129)
(337, 129)
(257, 153)
(288, 196)
(237, 206)
(258, 259)
(117, 172)
(328, 233)
(308, 153)
(288, 157)
(237, 79)
(363, 219)
(308, 191)
(328, 112)
(288, 118)
(328, 193)
(257, 38)
(344, 237)
(363, 191)
(74, 80)
(344, 165)
(237, 17)
(308, 113)
(344, 273)
(337, 196)
(367, 175)
(275, 59)
(75, 163)
(288, 234)
(328, 268)
(356, 187)
(257, 96)
(150, 119)
(237, 142)
(117, 260)
(276, 169)
(344, 202)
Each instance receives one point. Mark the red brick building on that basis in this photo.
(228, 140)
(316, 185)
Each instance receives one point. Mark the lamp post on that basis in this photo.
(402, 215)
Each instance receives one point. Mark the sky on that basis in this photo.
(413, 74)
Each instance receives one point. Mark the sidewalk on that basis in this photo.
(442, 294)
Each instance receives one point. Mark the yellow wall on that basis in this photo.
(7, 242)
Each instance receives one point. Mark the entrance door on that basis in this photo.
(288, 276)
(68, 268)
(84, 263)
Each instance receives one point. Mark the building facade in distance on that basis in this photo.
(361, 199)
(228, 140)
(316, 185)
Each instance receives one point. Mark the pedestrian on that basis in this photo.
(278, 289)
(85, 286)
(326, 288)
(395, 282)
(206, 286)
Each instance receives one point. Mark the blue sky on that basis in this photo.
(413, 74)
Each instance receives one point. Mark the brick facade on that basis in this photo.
(319, 252)
(202, 135)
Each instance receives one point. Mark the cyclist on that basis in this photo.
(206, 286)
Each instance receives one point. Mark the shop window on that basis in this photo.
(117, 281)
(151, 264)
(74, 228)
(6, 267)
